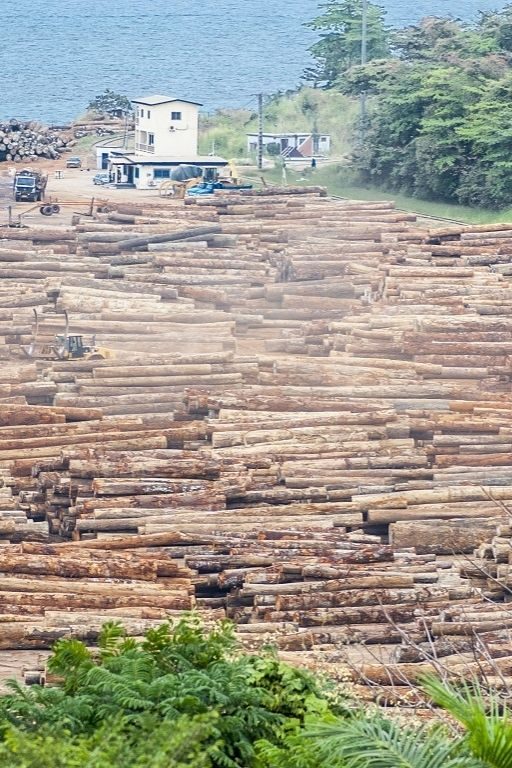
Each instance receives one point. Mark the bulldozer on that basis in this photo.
(66, 346)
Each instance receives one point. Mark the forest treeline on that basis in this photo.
(439, 95)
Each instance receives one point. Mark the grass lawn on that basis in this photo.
(332, 177)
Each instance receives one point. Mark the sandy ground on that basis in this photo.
(72, 186)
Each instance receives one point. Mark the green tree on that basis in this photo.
(176, 675)
(439, 112)
(498, 27)
(448, 93)
(486, 179)
(449, 40)
(388, 157)
(111, 104)
(339, 47)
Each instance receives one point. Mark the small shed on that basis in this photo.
(293, 145)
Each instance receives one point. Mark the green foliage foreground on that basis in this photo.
(186, 696)
(182, 696)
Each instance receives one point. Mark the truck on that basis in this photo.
(29, 185)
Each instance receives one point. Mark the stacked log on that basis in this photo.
(22, 141)
(307, 416)
(80, 589)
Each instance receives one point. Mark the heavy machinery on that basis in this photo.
(191, 181)
(66, 346)
(52, 206)
(212, 181)
(181, 179)
(29, 185)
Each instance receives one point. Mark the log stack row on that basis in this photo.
(306, 417)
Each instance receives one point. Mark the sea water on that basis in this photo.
(56, 55)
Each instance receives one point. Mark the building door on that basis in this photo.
(104, 161)
(129, 174)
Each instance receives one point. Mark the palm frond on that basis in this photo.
(379, 743)
(483, 714)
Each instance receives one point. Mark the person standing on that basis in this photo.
(284, 177)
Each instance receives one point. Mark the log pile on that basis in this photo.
(305, 427)
(22, 141)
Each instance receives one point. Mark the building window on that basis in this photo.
(136, 171)
(149, 113)
(175, 115)
(142, 112)
(161, 173)
(151, 139)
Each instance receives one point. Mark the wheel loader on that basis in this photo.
(66, 346)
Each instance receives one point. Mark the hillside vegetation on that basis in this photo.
(438, 127)
(308, 109)
(440, 113)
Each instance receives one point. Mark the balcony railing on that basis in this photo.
(145, 147)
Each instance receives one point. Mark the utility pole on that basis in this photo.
(260, 131)
(125, 136)
(364, 59)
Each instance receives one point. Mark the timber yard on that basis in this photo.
(288, 410)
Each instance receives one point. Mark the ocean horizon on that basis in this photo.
(56, 55)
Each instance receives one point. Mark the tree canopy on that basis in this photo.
(439, 122)
(111, 104)
(340, 26)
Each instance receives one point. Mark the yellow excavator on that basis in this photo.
(178, 189)
(66, 346)
(182, 178)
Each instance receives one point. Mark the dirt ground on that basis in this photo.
(72, 186)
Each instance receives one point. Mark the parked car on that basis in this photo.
(73, 162)
(101, 178)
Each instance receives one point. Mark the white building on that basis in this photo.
(166, 135)
(166, 126)
(293, 145)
